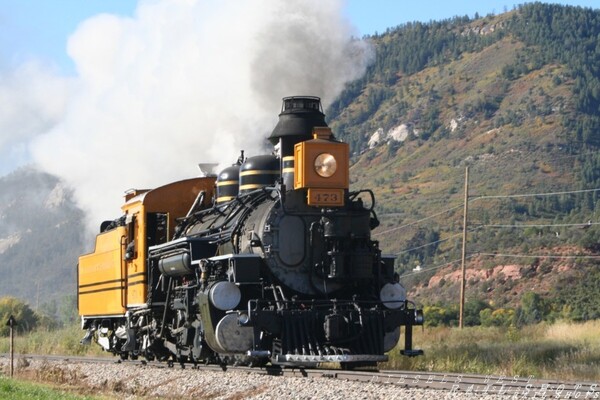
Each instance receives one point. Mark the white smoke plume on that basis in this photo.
(32, 100)
(183, 82)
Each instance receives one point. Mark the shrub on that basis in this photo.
(499, 317)
(25, 317)
(437, 315)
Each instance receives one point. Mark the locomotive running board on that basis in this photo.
(304, 359)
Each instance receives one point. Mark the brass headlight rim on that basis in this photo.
(325, 165)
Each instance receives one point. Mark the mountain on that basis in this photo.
(40, 238)
(516, 98)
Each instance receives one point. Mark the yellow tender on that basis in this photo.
(114, 277)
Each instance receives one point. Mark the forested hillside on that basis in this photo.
(40, 240)
(516, 98)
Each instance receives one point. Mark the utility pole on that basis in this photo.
(11, 323)
(464, 252)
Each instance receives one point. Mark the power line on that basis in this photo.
(537, 256)
(539, 225)
(436, 266)
(429, 244)
(488, 198)
(497, 226)
(430, 268)
(512, 196)
(589, 223)
(500, 255)
(437, 241)
(418, 221)
(546, 160)
(473, 230)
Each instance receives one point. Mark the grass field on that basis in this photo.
(562, 350)
(61, 341)
(11, 389)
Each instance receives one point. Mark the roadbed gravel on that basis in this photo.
(135, 381)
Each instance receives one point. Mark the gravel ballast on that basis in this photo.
(138, 381)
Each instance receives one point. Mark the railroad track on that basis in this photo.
(511, 387)
(515, 387)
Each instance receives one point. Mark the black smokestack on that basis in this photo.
(299, 115)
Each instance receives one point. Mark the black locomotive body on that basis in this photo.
(278, 266)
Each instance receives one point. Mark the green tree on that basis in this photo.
(533, 309)
(577, 296)
(25, 316)
(68, 310)
(472, 310)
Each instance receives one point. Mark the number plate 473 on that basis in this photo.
(326, 197)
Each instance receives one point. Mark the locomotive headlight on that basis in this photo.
(325, 165)
(392, 295)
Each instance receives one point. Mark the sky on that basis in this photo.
(40, 28)
(115, 94)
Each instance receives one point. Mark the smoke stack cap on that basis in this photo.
(299, 115)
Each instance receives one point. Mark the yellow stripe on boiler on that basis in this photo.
(225, 183)
(260, 172)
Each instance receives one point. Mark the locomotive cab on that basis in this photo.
(114, 277)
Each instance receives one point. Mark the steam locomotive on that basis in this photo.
(270, 261)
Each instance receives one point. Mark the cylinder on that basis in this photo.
(258, 172)
(228, 184)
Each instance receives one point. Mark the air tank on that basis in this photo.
(176, 265)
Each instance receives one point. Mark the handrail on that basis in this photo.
(123, 272)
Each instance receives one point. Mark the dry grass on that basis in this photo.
(566, 351)
(567, 331)
(63, 341)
